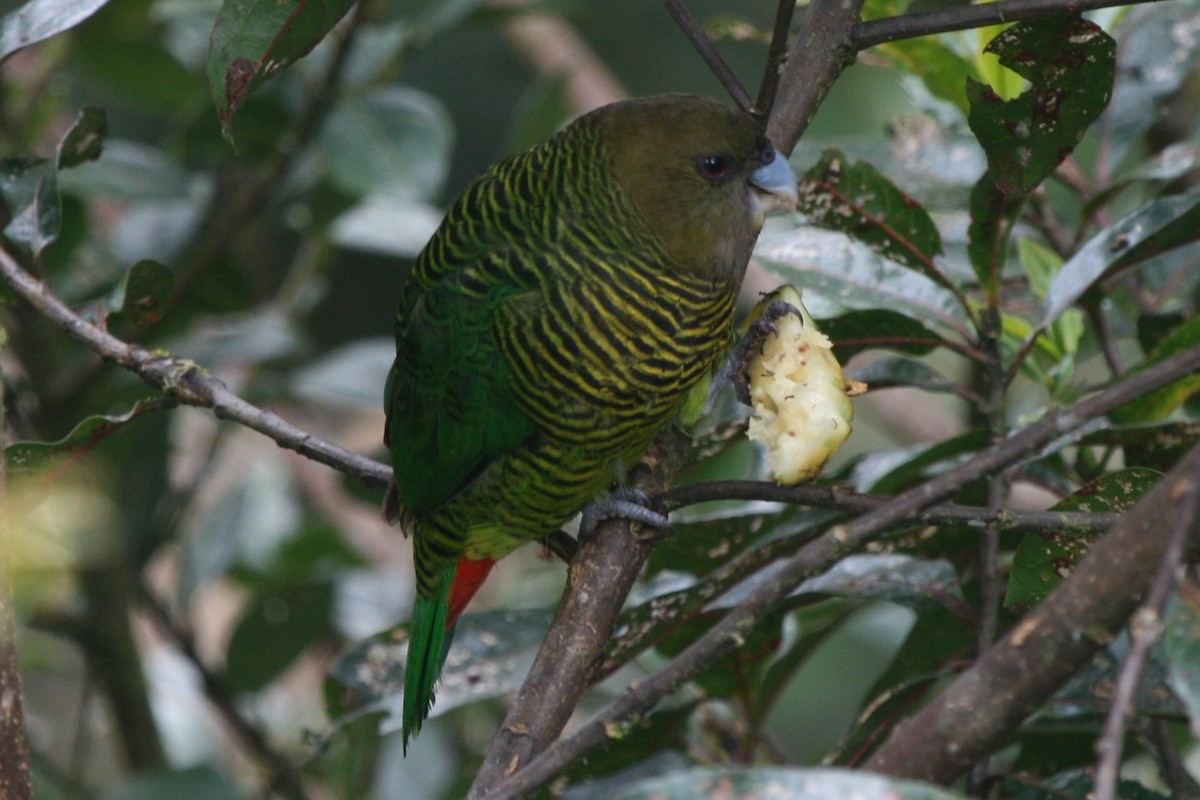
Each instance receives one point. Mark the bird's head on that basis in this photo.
(699, 175)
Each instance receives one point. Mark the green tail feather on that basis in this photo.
(428, 642)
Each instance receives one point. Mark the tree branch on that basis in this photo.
(187, 382)
(820, 51)
(840, 499)
(911, 26)
(977, 712)
(708, 52)
(284, 777)
(1145, 628)
(818, 556)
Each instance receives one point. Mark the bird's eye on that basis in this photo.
(767, 155)
(714, 167)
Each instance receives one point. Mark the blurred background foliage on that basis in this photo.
(153, 543)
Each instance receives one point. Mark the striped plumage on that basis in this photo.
(572, 297)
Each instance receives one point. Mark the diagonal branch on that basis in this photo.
(818, 556)
(186, 381)
(958, 18)
(704, 46)
(977, 712)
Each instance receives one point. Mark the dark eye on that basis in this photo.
(714, 167)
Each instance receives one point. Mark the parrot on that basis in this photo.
(572, 299)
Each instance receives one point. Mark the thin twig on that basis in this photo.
(911, 26)
(819, 52)
(1145, 628)
(186, 381)
(818, 556)
(284, 778)
(704, 46)
(775, 56)
(841, 499)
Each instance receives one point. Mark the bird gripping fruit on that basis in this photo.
(573, 297)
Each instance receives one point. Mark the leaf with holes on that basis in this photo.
(856, 199)
(856, 331)
(1042, 562)
(1070, 63)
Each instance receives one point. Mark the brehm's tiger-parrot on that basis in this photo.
(572, 299)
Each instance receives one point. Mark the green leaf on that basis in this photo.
(1162, 225)
(943, 71)
(993, 215)
(196, 783)
(856, 199)
(489, 657)
(1161, 402)
(1158, 54)
(1043, 561)
(899, 371)
(890, 473)
(29, 185)
(391, 141)
(32, 457)
(30, 194)
(856, 331)
(1155, 446)
(1070, 63)
(253, 40)
(916, 583)
(1076, 784)
(1181, 648)
(746, 783)
(839, 274)
(37, 20)
(280, 624)
(143, 297)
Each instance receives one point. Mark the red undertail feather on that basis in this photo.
(469, 576)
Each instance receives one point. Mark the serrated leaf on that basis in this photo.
(253, 40)
(38, 20)
(1070, 63)
(280, 624)
(856, 199)
(839, 274)
(489, 657)
(1164, 224)
(143, 297)
(1043, 561)
(28, 457)
(750, 783)
(855, 331)
(898, 371)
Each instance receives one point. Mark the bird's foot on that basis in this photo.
(625, 503)
(738, 361)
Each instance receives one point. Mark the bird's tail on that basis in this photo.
(429, 637)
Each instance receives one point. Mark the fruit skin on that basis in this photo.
(802, 411)
(574, 296)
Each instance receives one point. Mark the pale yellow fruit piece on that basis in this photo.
(801, 409)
